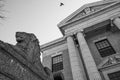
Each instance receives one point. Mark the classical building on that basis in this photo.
(90, 46)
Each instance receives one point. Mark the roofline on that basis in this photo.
(80, 9)
(68, 23)
(62, 39)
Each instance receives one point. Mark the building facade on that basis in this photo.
(90, 46)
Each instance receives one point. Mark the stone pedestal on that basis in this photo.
(90, 65)
(74, 60)
(22, 61)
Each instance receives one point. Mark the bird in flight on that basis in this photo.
(61, 4)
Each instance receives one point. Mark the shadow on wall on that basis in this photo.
(58, 76)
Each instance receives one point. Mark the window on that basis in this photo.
(114, 76)
(58, 76)
(57, 63)
(105, 48)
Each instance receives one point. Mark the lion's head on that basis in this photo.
(24, 38)
(21, 37)
(29, 44)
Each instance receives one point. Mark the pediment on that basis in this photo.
(87, 10)
(109, 61)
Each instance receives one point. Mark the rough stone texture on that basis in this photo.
(22, 61)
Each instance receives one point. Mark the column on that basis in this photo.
(74, 60)
(89, 62)
(116, 21)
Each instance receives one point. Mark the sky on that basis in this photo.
(36, 16)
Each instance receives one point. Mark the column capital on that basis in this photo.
(116, 21)
(70, 35)
(82, 32)
(66, 36)
(113, 18)
(111, 21)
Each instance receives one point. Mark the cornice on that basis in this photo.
(53, 43)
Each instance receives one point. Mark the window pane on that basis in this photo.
(104, 48)
(57, 63)
(114, 76)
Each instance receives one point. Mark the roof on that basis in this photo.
(86, 10)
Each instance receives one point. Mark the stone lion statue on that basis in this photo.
(27, 48)
(29, 44)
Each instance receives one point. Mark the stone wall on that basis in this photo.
(14, 66)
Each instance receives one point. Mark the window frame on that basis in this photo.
(104, 49)
(116, 75)
(57, 63)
